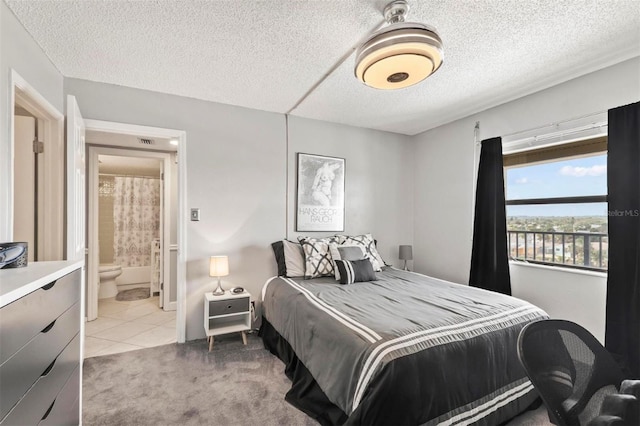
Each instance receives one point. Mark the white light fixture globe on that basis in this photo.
(400, 55)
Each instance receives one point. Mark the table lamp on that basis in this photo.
(219, 267)
(406, 253)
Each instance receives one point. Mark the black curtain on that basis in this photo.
(622, 336)
(489, 260)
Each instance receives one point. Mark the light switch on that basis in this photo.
(195, 214)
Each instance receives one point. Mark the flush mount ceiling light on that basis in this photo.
(400, 55)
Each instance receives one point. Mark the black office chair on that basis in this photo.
(569, 368)
(621, 409)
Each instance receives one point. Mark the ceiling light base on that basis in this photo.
(396, 11)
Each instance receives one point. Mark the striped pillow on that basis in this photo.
(354, 271)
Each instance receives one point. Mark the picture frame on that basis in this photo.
(320, 193)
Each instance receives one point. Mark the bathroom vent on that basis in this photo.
(146, 141)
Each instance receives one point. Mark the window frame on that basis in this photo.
(566, 151)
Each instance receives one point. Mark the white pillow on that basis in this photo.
(334, 249)
(367, 243)
(294, 258)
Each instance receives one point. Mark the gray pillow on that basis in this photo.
(353, 271)
(351, 253)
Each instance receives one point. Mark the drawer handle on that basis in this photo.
(48, 411)
(229, 307)
(49, 286)
(49, 327)
(49, 368)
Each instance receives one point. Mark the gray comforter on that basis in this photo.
(449, 350)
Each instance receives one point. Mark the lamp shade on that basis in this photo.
(219, 266)
(406, 253)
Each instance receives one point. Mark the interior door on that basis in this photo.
(165, 226)
(24, 193)
(75, 181)
(161, 301)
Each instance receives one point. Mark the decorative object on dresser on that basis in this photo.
(40, 363)
(320, 194)
(13, 255)
(219, 267)
(227, 313)
(405, 253)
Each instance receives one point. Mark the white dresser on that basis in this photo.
(40, 356)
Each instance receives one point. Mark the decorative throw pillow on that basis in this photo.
(278, 252)
(344, 252)
(354, 271)
(290, 258)
(294, 258)
(318, 262)
(351, 252)
(367, 243)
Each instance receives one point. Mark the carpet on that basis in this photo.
(133, 294)
(184, 384)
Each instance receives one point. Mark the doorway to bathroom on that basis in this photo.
(132, 243)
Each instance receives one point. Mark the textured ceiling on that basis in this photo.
(268, 54)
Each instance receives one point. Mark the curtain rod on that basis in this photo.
(554, 124)
(133, 176)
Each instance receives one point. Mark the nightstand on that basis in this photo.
(227, 313)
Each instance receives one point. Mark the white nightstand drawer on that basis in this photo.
(229, 306)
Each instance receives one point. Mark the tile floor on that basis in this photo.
(127, 326)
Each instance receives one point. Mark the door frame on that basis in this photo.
(93, 260)
(182, 219)
(52, 126)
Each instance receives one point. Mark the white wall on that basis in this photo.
(237, 175)
(20, 52)
(578, 296)
(443, 193)
(378, 183)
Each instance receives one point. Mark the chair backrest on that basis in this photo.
(567, 366)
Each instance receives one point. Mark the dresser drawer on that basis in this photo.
(23, 319)
(22, 370)
(66, 407)
(35, 403)
(229, 306)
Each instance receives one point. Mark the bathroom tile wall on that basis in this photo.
(105, 219)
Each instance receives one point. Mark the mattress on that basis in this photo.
(406, 348)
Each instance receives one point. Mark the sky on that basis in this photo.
(567, 178)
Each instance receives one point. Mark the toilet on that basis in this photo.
(108, 275)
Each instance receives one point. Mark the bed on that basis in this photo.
(404, 349)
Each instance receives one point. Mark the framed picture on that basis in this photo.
(320, 198)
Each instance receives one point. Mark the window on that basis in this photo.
(557, 205)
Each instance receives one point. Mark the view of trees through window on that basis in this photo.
(557, 213)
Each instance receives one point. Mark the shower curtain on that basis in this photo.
(136, 217)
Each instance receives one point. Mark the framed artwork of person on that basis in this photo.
(320, 193)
